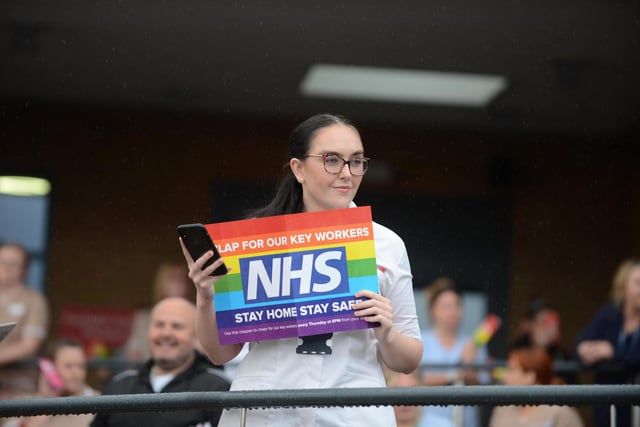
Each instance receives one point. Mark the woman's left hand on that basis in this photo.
(401, 353)
(375, 308)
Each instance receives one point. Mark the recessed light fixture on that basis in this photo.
(402, 85)
(24, 186)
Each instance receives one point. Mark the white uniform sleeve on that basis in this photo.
(395, 280)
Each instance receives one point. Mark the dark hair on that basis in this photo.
(536, 306)
(57, 345)
(288, 198)
(439, 287)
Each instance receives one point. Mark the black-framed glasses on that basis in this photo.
(333, 164)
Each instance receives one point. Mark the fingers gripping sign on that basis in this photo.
(375, 308)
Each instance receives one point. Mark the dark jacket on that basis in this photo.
(200, 376)
(625, 365)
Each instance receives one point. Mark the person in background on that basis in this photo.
(525, 323)
(171, 280)
(443, 344)
(324, 171)
(175, 366)
(544, 332)
(611, 340)
(532, 366)
(412, 416)
(71, 367)
(406, 416)
(30, 310)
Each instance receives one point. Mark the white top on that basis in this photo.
(354, 363)
(158, 382)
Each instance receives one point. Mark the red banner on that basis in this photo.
(96, 326)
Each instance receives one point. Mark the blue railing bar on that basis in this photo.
(573, 395)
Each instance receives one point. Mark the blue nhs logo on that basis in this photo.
(293, 275)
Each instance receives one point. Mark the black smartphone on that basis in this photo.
(197, 241)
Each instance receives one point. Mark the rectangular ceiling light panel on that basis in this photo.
(399, 85)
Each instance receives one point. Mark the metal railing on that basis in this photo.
(571, 395)
(412, 396)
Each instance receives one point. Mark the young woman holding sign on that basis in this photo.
(327, 164)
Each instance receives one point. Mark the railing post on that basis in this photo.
(458, 411)
(635, 416)
(612, 415)
(243, 417)
(458, 416)
(571, 395)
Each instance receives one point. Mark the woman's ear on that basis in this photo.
(296, 168)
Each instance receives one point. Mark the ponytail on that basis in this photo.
(288, 199)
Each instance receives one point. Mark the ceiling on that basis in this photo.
(572, 66)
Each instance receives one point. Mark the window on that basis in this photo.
(24, 218)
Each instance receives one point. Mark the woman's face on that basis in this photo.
(71, 365)
(632, 289)
(515, 375)
(545, 328)
(446, 311)
(323, 190)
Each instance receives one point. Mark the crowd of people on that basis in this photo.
(609, 344)
(66, 377)
(175, 342)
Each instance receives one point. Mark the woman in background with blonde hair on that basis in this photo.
(612, 337)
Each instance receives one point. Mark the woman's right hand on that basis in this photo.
(469, 353)
(201, 278)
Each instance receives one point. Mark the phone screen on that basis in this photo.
(197, 241)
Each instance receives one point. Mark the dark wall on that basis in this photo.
(124, 180)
